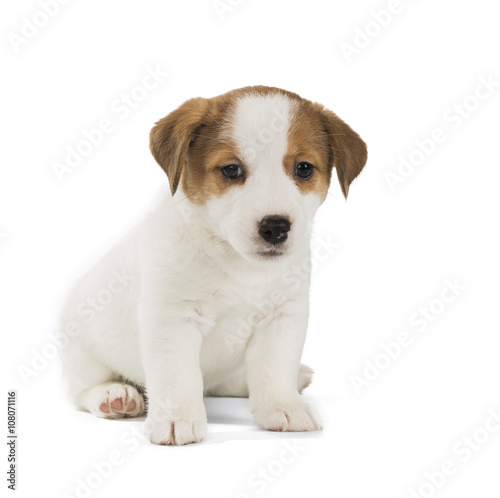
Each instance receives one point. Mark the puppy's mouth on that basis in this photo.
(264, 251)
(272, 254)
(269, 254)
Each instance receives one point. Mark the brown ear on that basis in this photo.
(171, 136)
(348, 149)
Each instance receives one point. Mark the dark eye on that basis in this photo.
(232, 171)
(304, 170)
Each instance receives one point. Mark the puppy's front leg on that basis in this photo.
(273, 361)
(174, 383)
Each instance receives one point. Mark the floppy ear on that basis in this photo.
(348, 149)
(171, 136)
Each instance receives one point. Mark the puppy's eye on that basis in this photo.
(304, 170)
(232, 171)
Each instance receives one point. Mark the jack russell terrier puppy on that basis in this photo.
(162, 312)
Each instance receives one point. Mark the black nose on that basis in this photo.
(274, 229)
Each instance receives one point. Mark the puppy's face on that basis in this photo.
(259, 160)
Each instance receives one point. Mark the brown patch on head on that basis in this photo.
(209, 153)
(308, 142)
(191, 147)
(319, 137)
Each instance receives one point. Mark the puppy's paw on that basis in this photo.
(289, 416)
(175, 429)
(115, 400)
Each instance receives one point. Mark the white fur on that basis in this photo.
(193, 309)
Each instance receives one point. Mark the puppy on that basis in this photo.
(175, 308)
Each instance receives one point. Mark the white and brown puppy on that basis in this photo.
(247, 172)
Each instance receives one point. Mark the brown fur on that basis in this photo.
(348, 149)
(307, 141)
(320, 137)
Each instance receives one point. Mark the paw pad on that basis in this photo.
(121, 400)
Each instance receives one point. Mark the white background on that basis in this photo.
(397, 247)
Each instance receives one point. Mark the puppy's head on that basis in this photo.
(259, 160)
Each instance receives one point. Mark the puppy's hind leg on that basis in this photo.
(113, 400)
(236, 385)
(305, 377)
(96, 388)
